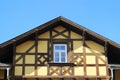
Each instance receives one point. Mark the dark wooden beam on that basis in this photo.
(84, 53)
(14, 54)
(36, 51)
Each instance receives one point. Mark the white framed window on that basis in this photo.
(60, 53)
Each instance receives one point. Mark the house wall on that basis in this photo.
(31, 57)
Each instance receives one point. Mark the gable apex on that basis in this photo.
(59, 20)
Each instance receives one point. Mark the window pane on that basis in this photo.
(62, 48)
(56, 59)
(56, 54)
(62, 59)
(62, 54)
(57, 47)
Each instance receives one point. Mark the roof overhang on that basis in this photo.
(4, 66)
(114, 66)
(56, 20)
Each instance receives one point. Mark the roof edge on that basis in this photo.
(60, 18)
(10, 41)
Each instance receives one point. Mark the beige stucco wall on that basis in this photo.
(42, 70)
(59, 28)
(29, 59)
(24, 47)
(42, 46)
(102, 71)
(29, 70)
(20, 61)
(18, 71)
(75, 35)
(66, 33)
(92, 48)
(45, 35)
(77, 47)
(90, 59)
(91, 71)
(102, 59)
(79, 71)
(97, 48)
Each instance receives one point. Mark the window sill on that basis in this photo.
(60, 64)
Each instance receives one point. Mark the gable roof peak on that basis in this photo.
(57, 20)
(60, 17)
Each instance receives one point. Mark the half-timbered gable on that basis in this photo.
(60, 49)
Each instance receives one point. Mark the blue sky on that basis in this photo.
(19, 16)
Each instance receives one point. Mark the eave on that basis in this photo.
(114, 66)
(4, 66)
(56, 20)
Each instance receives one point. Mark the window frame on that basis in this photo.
(60, 44)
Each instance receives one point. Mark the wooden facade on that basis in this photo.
(32, 55)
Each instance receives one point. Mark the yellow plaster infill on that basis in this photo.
(18, 70)
(29, 59)
(78, 71)
(53, 33)
(60, 28)
(42, 46)
(22, 48)
(77, 47)
(60, 37)
(75, 35)
(100, 61)
(66, 33)
(45, 35)
(102, 71)
(97, 48)
(32, 50)
(42, 71)
(90, 59)
(91, 71)
(29, 71)
(20, 61)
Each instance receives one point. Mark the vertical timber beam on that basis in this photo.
(48, 59)
(50, 47)
(84, 54)
(97, 66)
(14, 53)
(69, 41)
(106, 54)
(36, 50)
(105, 47)
(23, 68)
